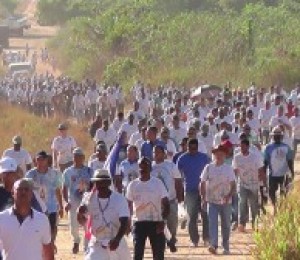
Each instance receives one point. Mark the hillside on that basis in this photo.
(182, 41)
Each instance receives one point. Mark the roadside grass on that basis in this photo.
(37, 133)
(279, 236)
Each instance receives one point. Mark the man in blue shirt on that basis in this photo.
(191, 165)
(148, 145)
(278, 158)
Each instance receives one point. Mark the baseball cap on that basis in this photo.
(227, 144)
(17, 139)
(62, 127)
(42, 155)
(8, 164)
(101, 148)
(276, 131)
(78, 151)
(101, 174)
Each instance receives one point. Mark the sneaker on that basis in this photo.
(212, 250)
(172, 247)
(75, 249)
(226, 252)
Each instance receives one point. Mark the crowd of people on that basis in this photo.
(219, 157)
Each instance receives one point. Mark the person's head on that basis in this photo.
(120, 116)
(105, 124)
(17, 142)
(62, 130)
(250, 114)
(131, 118)
(144, 132)
(205, 129)
(219, 153)
(151, 133)
(159, 153)
(42, 160)
(245, 146)
(277, 135)
(136, 106)
(267, 105)
(176, 121)
(192, 133)
(193, 146)
(78, 157)
(145, 166)
(184, 144)
(8, 171)
(165, 134)
(22, 193)
(101, 180)
(101, 152)
(132, 153)
(247, 129)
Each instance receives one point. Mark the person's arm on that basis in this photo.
(55, 155)
(60, 202)
(231, 192)
(48, 252)
(291, 167)
(114, 243)
(65, 197)
(179, 189)
(165, 207)
(118, 183)
(81, 215)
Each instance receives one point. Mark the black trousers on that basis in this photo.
(143, 230)
(274, 184)
(53, 225)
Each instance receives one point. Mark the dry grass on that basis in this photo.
(37, 133)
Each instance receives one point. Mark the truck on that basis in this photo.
(4, 37)
(16, 24)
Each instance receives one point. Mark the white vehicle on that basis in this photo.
(19, 68)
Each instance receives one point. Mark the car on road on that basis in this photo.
(20, 68)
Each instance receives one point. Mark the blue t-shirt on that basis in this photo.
(176, 157)
(276, 157)
(77, 181)
(147, 148)
(46, 184)
(191, 167)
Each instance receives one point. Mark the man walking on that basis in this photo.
(191, 165)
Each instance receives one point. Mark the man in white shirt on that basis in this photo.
(279, 119)
(24, 232)
(107, 134)
(170, 176)
(129, 127)
(79, 106)
(21, 156)
(248, 168)
(177, 133)
(109, 215)
(99, 161)
(118, 122)
(265, 115)
(92, 95)
(149, 198)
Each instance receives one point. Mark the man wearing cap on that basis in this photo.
(170, 176)
(109, 216)
(47, 184)
(217, 188)
(149, 197)
(278, 159)
(21, 156)
(24, 232)
(62, 147)
(76, 181)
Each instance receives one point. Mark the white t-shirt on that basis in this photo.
(24, 241)
(254, 124)
(295, 123)
(105, 214)
(218, 182)
(129, 129)
(22, 157)
(167, 172)
(265, 117)
(247, 169)
(64, 148)
(95, 164)
(146, 197)
(79, 102)
(276, 120)
(129, 171)
(108, 137)
(178, 134)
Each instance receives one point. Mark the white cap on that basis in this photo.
(8, 164)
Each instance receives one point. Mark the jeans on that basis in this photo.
(235, 208)
(193, 205)
(246, 196)
(172, 220)
(296, 142)
(74, 225)
(147, 229)
(214, 210)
